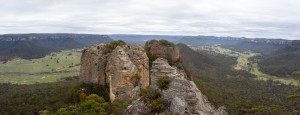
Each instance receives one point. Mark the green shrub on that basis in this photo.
(112, 45)
(165, 43)
(163, 82)
(156, 105)
(93, 105)
(143, 92)
(118, 106)
(153, 94)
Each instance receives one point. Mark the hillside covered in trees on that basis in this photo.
(29, 46)
(237, 90)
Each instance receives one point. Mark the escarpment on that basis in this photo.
(125, 73)
(120, 70)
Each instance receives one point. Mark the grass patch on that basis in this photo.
(243, 63)
(47, 69)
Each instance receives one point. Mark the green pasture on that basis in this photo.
(243, 63)
(47, 69)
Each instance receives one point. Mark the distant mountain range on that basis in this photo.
(208, 40)
(28, 46)
(141, 39)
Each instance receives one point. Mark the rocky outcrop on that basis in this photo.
(163, 49)
(182, 93)
(160, 67)
(140, 59)
(137, 107)
(122, 71)
(89, 67)
(93, 63)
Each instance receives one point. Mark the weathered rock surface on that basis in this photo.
(89, 68)
(160, 50)
(182, 93)
(140, 59)
(160, 67)
(137, 107)
(121, 71)
(93, 63)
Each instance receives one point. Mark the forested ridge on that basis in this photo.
(29, 46)
(238, 91)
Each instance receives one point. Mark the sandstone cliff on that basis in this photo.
(163, 49)
(139, 57)
(121, 71)
(89, 69)
(182, 94)
(124, 70)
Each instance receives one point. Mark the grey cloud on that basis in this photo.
(249, 18)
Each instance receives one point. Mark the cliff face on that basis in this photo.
(121, 71)
(163, 49)
(89, 69)
(124, 70)
(183, 94)
(139, 57)
(93, 63)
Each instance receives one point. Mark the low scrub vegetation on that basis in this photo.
(237, 90)
(163, 82)
(152, 97)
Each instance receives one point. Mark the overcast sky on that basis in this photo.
(248, 18)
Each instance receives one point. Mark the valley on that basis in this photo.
(243, 63)
(50, 68)
(223, 74)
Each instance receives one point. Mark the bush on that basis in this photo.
(112, 45)
(153, 94)
(143, 92)
(153, 98)
(93, 105)
(163, 82)
(165, 43)
(156, 105)
(118, 106)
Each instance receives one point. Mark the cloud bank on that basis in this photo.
(248, 18)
